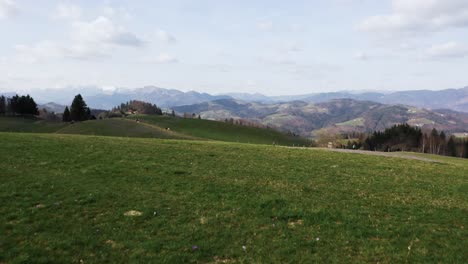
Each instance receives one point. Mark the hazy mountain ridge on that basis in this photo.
(165, 98)
(454, 99)
(339, 115)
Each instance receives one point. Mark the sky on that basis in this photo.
(264, 46)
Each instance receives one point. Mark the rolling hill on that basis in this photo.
(341, 115)
(89, 199)
(163, 127)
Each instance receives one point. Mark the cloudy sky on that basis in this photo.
(268, 46)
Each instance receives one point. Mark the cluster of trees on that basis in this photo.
(397, 138)
(438, 143)
(139, 107)
(18, 105)
(78, 111)
(404, 137)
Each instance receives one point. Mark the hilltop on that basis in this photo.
(337, 116)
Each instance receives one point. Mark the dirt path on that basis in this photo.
(384, 154)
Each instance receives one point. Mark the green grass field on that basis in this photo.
(155, 127)
(222, 131)
(29, 125)
(63, 199)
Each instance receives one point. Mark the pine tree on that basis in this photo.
(88, 113)
(78, 109)
(465, 155)
(3, 105)
(451, 147)
(441, 147)
(23, 105)
(66, 115)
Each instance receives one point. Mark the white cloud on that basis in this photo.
(265, 25)
(68, 11)
(119, 12)
(88, 40)
(165, 37)
(8, 8)
(361, 56)
(162, 58)
(413, 16)
(38, 52)
(447, 50)
(103, 31)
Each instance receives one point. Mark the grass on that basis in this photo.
(118, 127)
(29, 125)
(63, 199)
(222, 131)
(155, 127)
(355, 122)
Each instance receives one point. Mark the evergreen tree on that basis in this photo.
(78, 109)
(465, 155)
(88, 113)
(66, 115)
(451, 147)
(23, 105)
(442, 142)
(3, 105)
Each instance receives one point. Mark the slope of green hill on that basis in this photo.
(155, 127)
(29, 125)
(222, 131)
(88, 199)
(118, 127)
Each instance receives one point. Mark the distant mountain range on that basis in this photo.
(454, 99)
(301, 114)
(339, 115)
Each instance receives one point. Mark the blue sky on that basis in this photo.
(271, 47)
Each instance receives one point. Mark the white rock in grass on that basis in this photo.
(133, 213)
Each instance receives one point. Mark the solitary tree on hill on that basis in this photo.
(66, 115)
(78, 109)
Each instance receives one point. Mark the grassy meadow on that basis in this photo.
(66, 198)
(155, 127)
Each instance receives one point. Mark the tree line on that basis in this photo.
(18, 105)
(404, 137)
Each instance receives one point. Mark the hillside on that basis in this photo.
(155, 127)
(101, 199)
(341, 115)
(29, 125)
(119, 128)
